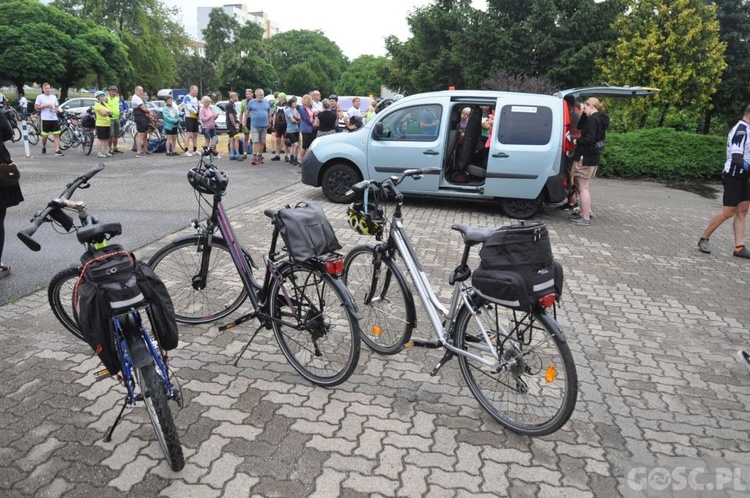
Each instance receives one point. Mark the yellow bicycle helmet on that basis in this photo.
(366, 219)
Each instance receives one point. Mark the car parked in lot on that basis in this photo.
(523, 165)
(78, 105)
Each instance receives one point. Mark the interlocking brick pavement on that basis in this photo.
(653, 325)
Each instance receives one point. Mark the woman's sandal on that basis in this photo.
(4, 271)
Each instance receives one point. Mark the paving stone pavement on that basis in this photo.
(653, 325)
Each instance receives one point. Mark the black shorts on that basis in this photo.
(50, 127)
(280, 129)
(191, 125)
(141, 123)
(231, 130)
(736, 190)
(293, 137)
(102, 132)
(307, 139)
(173, 131)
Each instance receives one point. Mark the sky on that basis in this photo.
(358, 28)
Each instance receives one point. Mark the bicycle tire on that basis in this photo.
(319, 335)
(529, 380)
(178, 265)
(33, 134)
(60, 296)
(181, 139)
(66, 138)
(153, 140)
(155, 398)
(388, 317)
(17, 135)
(88, 142)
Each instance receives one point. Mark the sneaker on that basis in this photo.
(217, 156)
(567, 207)
(744, 358)
(134, 149)
(232, 157)
(703, 246)
(286, 159)
(44, 150)
(244, 156)
(742, 253)
(254, 161)
(579, 221)
(275, 158)
(240, 157)
(175, 153)
(102, 155)
(169, 153)
(116, 151)
(260, 160)
(109, 154)
(138, 155)
(59, 153)
(189, 154)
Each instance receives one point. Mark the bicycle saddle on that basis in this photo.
(96, 233)
(474, 235)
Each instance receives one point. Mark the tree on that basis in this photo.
(670, 44)
(148, 30)
(364, 76)
(733, 93)
(305, 60)
(219, 33)
(192, 69)
(508, 82)
(45, 44)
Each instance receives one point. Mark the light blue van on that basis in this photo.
(522, 165)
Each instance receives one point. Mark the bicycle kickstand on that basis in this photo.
(108, 438)
(447, 356)
(247, 345)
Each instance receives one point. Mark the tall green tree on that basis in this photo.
(149, 30)
(364, 76)
(192, 69)
(733, 93)
(673, 45)
(305, 60)
(43, 43)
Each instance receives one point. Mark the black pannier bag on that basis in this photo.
(110, 284)
(306, 231)
(516, 266)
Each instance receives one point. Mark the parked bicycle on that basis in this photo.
(14, 118)
(301, 298)
(73, 133)
(514, 358)
(134, 356)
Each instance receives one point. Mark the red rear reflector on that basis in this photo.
(335, 267)
(547, 301)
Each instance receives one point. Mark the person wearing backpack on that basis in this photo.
(279, 127)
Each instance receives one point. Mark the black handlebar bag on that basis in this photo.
(306, 231)
(517, 267)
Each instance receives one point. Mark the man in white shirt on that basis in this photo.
(23, 104)
(48, 106)
(190, 102)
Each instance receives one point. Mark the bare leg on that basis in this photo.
(740, 217)
(583, 191)
(720, 217)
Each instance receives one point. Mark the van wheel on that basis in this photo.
(338, 180)
(521, 209)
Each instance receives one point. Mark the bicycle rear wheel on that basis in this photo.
(66, 138)
(88, 142)
(198, 300)
(181, 139)
(33, 133)
(317, 333)
(16, 133)
(154, 391)
(383, 298)
(60, 296)
(533, 388)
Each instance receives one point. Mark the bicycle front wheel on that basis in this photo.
(16, 133)
(154, 391)
(383, 298)
(66, 138)
(181, 139)
(33, 134)
(197, 299)
(317, 333)
(88, 142)
(532, 388)
(60, 296)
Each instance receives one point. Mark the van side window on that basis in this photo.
(413, 124)
(524, 125)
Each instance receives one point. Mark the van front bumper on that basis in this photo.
(311, 167)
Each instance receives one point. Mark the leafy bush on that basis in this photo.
(664, 154)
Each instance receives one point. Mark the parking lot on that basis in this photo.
(653, 325)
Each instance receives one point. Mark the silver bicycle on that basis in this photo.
(516, 362)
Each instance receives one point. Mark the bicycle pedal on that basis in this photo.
(101, 375)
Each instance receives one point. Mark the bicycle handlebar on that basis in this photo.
(391, 182)
(54, 209)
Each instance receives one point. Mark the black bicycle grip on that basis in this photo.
(25, 235)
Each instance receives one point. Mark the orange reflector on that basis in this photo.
(376, 330)
(547, 301)
(551, 374)
(335, 267)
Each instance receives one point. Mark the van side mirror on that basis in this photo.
(377, 132)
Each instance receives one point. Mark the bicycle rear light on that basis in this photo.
(548, 300)
(335, 266)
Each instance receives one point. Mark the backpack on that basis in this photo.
(517, 267)
(280, 116)
(111, 282)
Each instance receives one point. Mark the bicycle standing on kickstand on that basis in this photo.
(302, 298)
(109, 284)
(515, 359)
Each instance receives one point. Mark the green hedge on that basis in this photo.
(664, 154)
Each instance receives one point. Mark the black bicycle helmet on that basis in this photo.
(366, 219)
